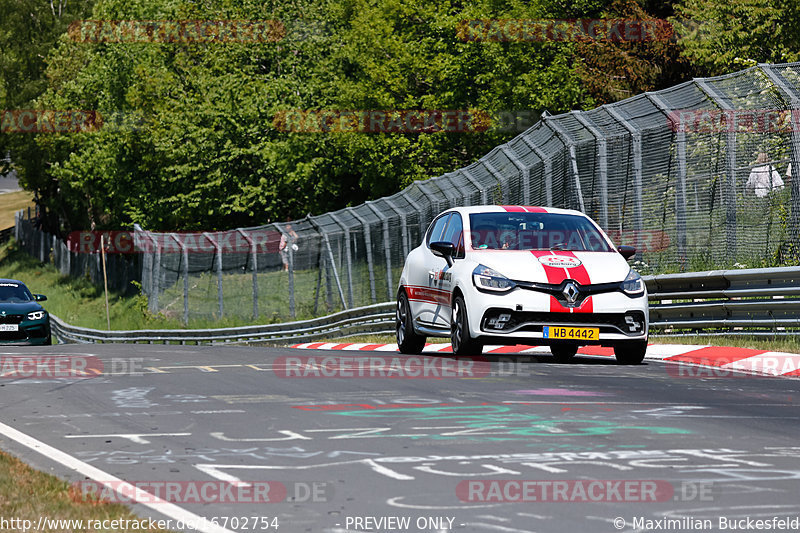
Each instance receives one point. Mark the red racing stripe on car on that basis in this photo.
(427, 294)
(535, 209)
(586, 307)
(513, 208)
(554, 275)
(578, 273)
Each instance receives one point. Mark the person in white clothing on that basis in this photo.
(763, 178)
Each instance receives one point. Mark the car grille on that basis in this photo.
(20, 335)
(11, 319)
(534, 321)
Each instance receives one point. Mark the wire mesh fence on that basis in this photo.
(696, 176)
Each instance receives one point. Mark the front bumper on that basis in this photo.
(520, 316)
(30, 332)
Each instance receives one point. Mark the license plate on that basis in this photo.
(559, 332)
(9, 327)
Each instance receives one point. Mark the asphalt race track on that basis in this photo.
(445, 445)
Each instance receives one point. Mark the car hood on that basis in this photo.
(19, 308)
(554, 266)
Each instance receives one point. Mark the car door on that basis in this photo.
(422, 289)
(440, 280)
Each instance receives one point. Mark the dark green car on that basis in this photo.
(22, 319)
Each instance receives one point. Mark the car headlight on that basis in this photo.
(485, 278)
(633, 284)
(36, 315)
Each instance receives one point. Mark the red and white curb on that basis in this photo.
(726, 359)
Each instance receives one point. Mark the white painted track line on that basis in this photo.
(123, 488)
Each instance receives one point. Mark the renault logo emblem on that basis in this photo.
(570, 292)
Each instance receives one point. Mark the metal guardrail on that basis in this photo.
(377, 318)
(757, 302)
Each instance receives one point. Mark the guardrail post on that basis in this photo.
(218, 254)
(254, 266)
(636, 135)
(548, 170)
(730, 168)
(602, 165)
(348, 259)
(680, 189)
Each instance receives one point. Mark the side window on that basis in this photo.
(437, 229)
(455, 234)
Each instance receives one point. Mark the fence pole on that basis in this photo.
(475, 183)
(794, 107)
(602, 164)
(730, 168)
(289, 259)
(185, 270)
(254, 265)
(347, 256)
(368, 246)
(524, 173)
(548, 169)
(636, 134)
(218, 253)
(387, 253)
(680, 190)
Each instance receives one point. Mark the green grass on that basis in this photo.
(28, 494)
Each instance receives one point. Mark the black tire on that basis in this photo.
(408, 340)
(630, 353)
(49, 341)
(563, 353)
(460, 338)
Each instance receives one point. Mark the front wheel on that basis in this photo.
(408, 340)
(460, 339)
(630, 353)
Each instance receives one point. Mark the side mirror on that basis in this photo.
(444, 249)
(626, 251)
(39, 297)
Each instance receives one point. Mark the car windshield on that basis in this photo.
(14, 292)
(534, 231)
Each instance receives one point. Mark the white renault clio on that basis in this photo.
(521, 275)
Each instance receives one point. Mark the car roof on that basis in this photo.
(6, 280)
(512, 208)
